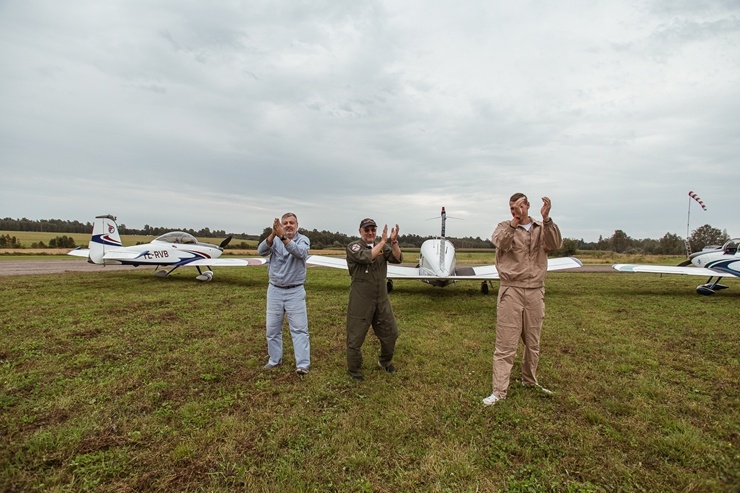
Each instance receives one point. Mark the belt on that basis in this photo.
(287, 287)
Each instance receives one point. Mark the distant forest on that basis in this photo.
(65, 226)
(619, 241)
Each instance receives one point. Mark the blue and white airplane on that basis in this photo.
(714, 262)
(438, 265)
(174, 249)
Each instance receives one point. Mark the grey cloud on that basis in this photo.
(168, 112)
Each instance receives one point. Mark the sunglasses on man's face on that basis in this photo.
(369, 229)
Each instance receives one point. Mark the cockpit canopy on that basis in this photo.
(178, 237)
(730, 247)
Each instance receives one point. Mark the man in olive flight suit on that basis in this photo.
(368, 295)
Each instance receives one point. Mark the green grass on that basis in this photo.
(120, 381)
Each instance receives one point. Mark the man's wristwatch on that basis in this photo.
(283, 238)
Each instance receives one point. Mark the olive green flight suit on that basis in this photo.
(369, 304)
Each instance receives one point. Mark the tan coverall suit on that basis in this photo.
(521, 261)
(369, 304)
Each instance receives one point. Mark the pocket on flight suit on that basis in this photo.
(508, 308)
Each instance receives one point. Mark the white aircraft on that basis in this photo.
(712, 262)
(437, 265)
(174, 249)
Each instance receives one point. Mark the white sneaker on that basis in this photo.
(491, 400)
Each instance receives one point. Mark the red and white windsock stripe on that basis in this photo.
(696, 197)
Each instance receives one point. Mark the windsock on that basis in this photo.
(696, 197)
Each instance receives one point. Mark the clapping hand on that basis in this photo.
(277, 228)
(546, 205)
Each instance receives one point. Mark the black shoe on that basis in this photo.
(359, 378)
(390, 368)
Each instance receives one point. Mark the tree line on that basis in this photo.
(44, 225)
(669, 244)
(619, 241)
(66, 226)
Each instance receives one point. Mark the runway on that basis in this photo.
(52, 266)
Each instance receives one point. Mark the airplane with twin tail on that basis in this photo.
(438, 265)
(174, 249)
(713, 262)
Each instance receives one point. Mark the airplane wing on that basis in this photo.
(463, 273)
(486, 272)
(401, 272)
(228, 262)
(394, 271)
(667, 269)
(322, 261)
(561, 263)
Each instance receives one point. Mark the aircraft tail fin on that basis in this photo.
(104, 236)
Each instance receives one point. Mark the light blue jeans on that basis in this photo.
(290, 302)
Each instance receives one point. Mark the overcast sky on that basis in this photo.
(226, 114)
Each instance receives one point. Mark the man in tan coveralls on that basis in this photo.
(521, 260)
(368, 296)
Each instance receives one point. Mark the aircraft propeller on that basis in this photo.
(226, 241)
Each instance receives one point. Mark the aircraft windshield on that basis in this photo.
(178, 237)
(731, 246)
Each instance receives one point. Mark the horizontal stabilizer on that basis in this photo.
(79, 252)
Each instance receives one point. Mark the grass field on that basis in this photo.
(120, 381)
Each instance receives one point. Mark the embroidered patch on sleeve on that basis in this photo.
(356, 247)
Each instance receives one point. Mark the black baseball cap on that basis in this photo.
(367, 222)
